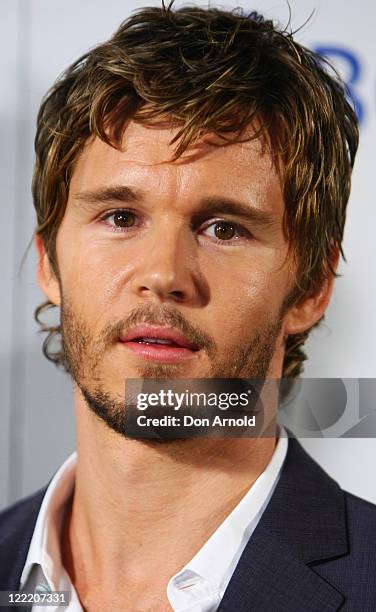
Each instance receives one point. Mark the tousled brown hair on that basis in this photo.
(209, 71)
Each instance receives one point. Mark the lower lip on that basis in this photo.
(160, 352)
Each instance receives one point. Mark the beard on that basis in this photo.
(83, 355)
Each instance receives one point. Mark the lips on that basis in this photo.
(155, 343)
(158, 335)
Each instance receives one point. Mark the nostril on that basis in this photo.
(176, 294)
(179, 295)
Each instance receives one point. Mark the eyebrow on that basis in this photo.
(215, 205)
(104, 195)
(223, 205)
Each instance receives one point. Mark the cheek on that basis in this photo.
(92, 274)
(244, 298)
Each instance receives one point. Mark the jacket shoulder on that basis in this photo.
(361, 505)
(361, 518)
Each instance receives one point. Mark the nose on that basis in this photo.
(168, 268)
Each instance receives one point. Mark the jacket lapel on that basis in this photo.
(304, 523)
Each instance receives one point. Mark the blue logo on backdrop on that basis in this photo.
(351, 75)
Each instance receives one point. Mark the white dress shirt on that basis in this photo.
(198, 587)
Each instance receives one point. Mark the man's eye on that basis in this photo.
(223, 231)
(120, 219)
(123, 218)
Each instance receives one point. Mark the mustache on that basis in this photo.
(165, 316)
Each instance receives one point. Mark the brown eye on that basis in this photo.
(224, 231)
(124, 218)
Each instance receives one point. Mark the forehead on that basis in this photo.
(246, 168)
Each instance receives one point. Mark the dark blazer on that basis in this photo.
(314, 549)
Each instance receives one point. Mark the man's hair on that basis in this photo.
(209, 71)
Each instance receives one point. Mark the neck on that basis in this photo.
(133, 497)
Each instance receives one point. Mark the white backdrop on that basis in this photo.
(39, 39)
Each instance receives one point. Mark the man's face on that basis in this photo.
(171, 269)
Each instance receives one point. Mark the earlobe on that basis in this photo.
(309, 310)
(47, 280)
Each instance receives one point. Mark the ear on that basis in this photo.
(310, 309)
(46, 277)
